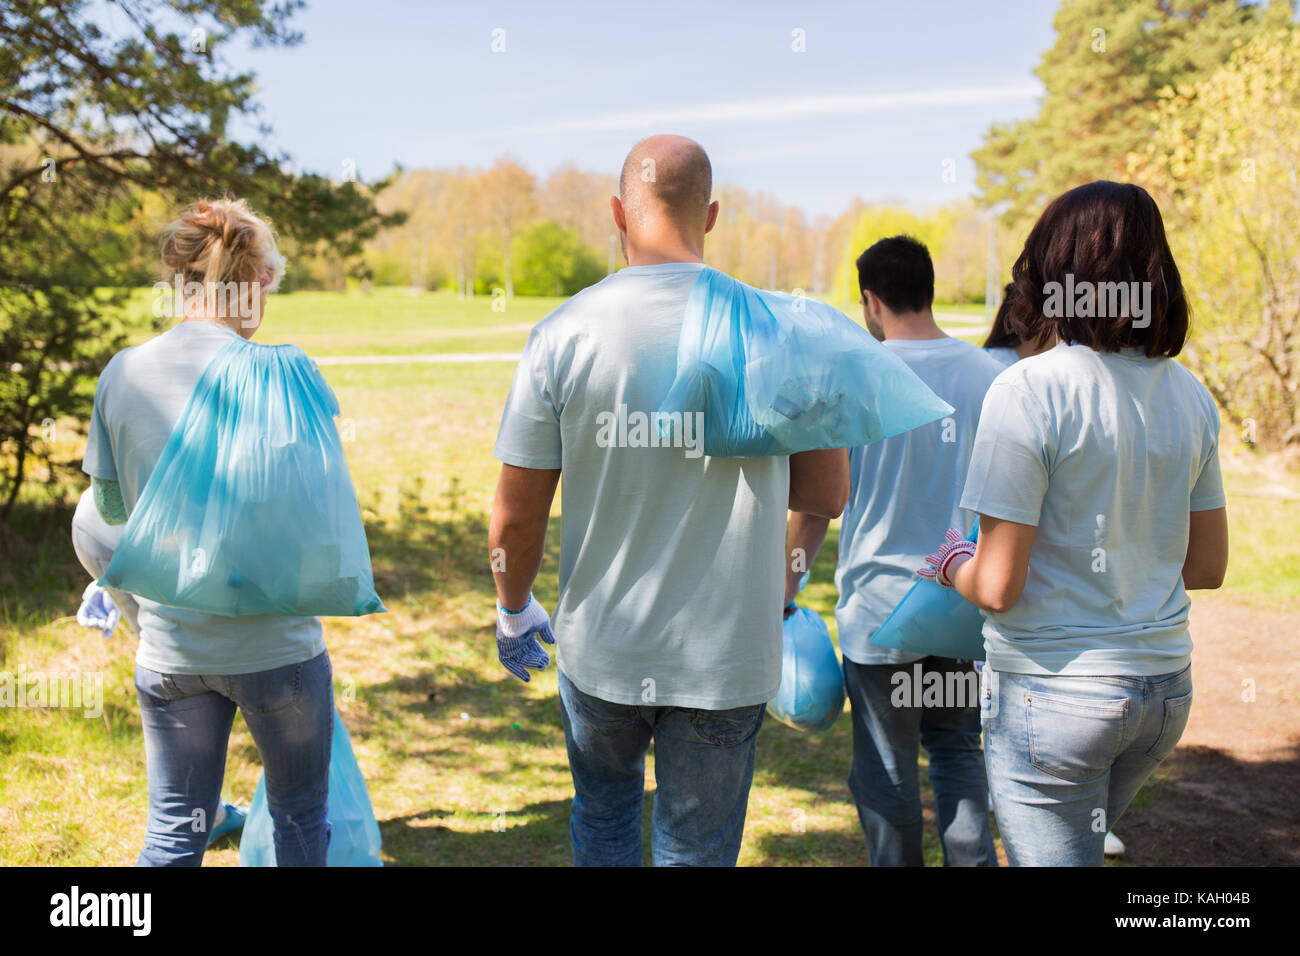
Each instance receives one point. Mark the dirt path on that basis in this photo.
(1230, 794)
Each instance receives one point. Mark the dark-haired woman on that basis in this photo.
(1004, 343)
(1095, 475)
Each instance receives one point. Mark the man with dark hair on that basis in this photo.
(668, 621)
(895, 273)
(902, 491)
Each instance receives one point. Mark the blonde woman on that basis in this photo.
(193, 669)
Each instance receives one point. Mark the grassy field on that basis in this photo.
(465, 765)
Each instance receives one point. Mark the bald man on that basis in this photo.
(668, 622)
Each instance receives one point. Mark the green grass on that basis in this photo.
(395, 321)
(1264, 566)
(387, 321)
(465, 765)
(973, 309)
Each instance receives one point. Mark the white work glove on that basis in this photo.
(98, 610)
(517, 635)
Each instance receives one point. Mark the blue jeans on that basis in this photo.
(704, 764)
(888, 729)
(187, 719)
(1066, 756)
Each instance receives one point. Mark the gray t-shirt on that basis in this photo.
(903, 495)
(140, 396)
(671, 566)
(1107, 454)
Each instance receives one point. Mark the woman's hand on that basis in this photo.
(991, 573)
(952, 554)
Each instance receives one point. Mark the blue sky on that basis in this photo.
(883, 94)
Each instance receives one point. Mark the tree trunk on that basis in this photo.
(510, 279)
(19, 472)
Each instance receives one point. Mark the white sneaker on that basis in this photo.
(1114, 845)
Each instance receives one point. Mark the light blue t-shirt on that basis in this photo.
(1107, 454)
(903, 495)
(672, 563)
(1004, 355)
(140, 396)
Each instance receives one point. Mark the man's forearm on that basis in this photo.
(517, 547)
(804, 537)
(819, 482)
(517, 531)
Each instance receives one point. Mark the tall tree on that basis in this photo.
(104, 105)
(1225, 167)
(462, 214)
(1102, 79)
(579, 200)
(510, 201)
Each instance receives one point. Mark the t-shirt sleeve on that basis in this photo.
(1207, 489)
(98, 461)
(529, 436)
(1010, 463)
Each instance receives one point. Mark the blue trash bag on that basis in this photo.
(250, 509)
(932, 619)
(811, 696)
(776, 374)
(354, 833)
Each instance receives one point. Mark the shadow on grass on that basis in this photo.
(1205, 807)
(536, 835)
(418, 556)
(40, 577)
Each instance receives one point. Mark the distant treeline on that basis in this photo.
(474, 230)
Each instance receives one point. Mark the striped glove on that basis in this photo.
(517, 635)
(940, 565)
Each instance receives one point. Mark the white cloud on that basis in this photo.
(789, 107)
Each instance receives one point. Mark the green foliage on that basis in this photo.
(1224, 164)
(99, 126)
(552, 260)
(1102, 78)
(956, 236)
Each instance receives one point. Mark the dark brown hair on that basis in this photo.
(1001, 337)
(1097, 234)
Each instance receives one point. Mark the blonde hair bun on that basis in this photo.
(221, 241)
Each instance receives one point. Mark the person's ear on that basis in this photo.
(713, 217)
(620, 215)
(869, 303)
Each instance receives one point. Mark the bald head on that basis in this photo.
(667, 177)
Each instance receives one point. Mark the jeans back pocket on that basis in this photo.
(268, 692)
(726, 728)
(1074, 738)
(1176, 712)
(154, 689)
